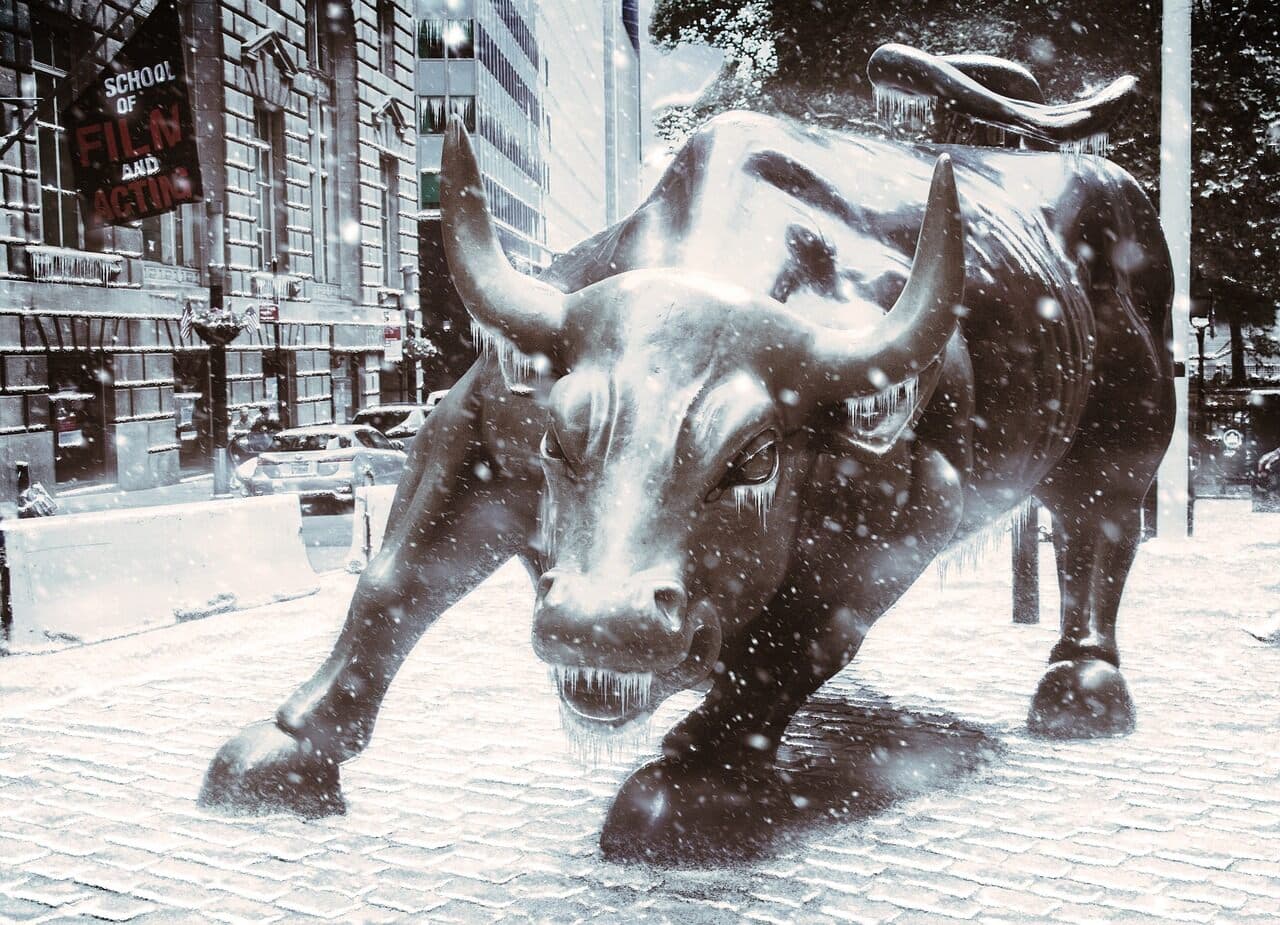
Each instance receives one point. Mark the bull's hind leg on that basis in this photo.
(1095, 496)
(450, 530)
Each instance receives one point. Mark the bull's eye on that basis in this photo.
(756, 464)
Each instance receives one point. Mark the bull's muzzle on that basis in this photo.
(638, 624)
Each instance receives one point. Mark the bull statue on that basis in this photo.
(725, 435)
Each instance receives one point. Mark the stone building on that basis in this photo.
(304, 114)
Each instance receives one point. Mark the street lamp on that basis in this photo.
(1200, 323)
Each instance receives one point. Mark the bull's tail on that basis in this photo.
(996, 93)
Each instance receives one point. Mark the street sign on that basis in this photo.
(392, 336)
(268, 312)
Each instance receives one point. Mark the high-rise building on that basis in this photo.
(479, 60)
(305, 122)
(591, 116)
(550, 91)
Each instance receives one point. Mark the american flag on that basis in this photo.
(184, 323)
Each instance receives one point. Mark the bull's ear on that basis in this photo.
(873, 425)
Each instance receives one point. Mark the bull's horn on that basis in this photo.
(526, 311)
(916, 330)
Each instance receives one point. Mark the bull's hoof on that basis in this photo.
(675, 814)
(266, 770)
(1081, 700)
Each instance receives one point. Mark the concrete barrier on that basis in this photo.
(373, 505)
(88, 577)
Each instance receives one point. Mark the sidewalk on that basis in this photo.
(107, 496)
(926, 799)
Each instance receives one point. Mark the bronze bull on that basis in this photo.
(721, 459)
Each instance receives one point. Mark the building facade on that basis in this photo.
(550, 92)
(304, 113)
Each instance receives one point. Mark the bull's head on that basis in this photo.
(679, 437)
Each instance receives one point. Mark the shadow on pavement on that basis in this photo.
(861, 756)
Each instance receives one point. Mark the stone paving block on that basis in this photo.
(23, 910)
(113, 908)
(913, 898)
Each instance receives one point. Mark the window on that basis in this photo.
(60, 218)
(318, 51)
(325, 219)
(429, 190)
(452, 38)
(268, 188)
(390, 222)
(431, 39)
(373, 440)
(170, 238)
(465, 108)
(386, 13)
(431, 118)
(459, 38)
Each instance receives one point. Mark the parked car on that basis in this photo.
(323, 462)
(398, 422)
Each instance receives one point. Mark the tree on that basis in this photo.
(1236, 174)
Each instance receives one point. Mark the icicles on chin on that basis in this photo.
(759, 497)
(630, 688)
(592, 741)
(594, 744)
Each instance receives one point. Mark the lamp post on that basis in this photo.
(1200, 323)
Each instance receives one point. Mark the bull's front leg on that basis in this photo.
(716, 787)
(450, 529)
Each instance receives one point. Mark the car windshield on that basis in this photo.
(382, 420)
(302, 443)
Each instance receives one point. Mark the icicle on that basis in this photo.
(594, 744)
(758, 496)
(547, 526)
(589, 740)
(1097, 143)
(974, 549)
(895, 106)
(517, 367)
(866, 410)
(630, 687)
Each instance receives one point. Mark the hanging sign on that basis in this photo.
(131, 133)
(392, 336)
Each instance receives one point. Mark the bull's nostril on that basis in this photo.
(671, 601)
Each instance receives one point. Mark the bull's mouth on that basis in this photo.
(610, 699)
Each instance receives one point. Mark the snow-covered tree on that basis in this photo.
(1236, 173)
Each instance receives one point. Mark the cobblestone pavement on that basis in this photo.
(926, 801)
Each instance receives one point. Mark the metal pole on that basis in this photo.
(1026, 568)
(218, 405)
(203, 24)
(1175, 215)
